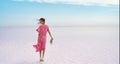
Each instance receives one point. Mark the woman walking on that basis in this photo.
(42, 31)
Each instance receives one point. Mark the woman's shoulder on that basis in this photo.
(46, 25)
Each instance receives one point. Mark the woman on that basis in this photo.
(42, 31)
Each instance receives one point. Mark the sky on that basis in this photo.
(59, 12)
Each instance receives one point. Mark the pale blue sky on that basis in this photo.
(19, 13)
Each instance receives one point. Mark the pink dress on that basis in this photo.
(42, 31)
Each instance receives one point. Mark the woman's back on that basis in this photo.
(43, 29)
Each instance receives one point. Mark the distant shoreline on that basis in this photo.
(53, 26)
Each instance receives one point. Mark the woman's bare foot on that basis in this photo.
(41, 60)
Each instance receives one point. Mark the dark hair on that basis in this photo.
(43, 19)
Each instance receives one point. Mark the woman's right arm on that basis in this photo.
(50, 34)
(51, 40)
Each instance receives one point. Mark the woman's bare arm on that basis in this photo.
(50, 34)
(51, 40)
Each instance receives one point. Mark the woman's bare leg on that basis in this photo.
(43, 53)
(40, 54)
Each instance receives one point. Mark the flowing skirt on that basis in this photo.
(41, 44)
